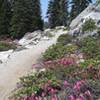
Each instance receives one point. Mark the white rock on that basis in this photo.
(5, 55)
(30, 39)
(92, 11)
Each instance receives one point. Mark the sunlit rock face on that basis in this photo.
(33, 40)
(92, 11)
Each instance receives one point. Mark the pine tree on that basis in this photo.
(78, 6)
(5, 16)
(64, 14)
(53, 13)
(57, 13)
(26, 17)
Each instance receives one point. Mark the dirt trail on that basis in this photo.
(19, 64)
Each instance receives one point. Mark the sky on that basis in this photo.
(44, 4)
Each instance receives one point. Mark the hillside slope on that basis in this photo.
(20, 64)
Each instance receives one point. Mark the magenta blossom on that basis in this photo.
(72, 97)
(81, 97)
(26, 97)
(54, 97)
(36, 98)
(78, 84)
(66, 83)
(88, 93)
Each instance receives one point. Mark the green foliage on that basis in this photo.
(89, 25)
(33, 83)
(54, 52)
(71, 48)
(26, 17)
(98, 1)
(88, 62)
(6, 46)
(50, 35)
(59, 78)
(91, 47)
(77, 6)
(57, 13)
(98, 31)
(58, 51)
(5, 16)
(65, 39)
(46, 25)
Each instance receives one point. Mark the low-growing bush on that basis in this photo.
(47, 85)
(4, 46)
(98, 31)
(89, 25)
(91, 62)
(58, 51)
(91, 47)
(54, 52)
(98, 1)
(65, 39)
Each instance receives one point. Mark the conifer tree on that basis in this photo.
(64, 14)
(57, 13)
(53, 13)
(5, 16)
(78, 6)
(26, 17)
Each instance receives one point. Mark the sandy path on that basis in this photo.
(19, 64)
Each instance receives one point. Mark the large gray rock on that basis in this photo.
(92, 11)
(4, 56)
(30, 39)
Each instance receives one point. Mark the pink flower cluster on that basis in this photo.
(66, 61)
(82, 96)
(48, 89)
(62, 61)
(78, 84)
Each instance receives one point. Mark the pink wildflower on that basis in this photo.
(33, 94)
(36, 98)
(52, 91)
(54, 97)
(18, 98)
(11, 98)
(80, 97)
(78, 85)
(72, 97)
(26, 97)
(87, 93)
(65, 83)
(43, 94)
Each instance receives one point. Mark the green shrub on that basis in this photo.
(4, 46)
(58, 78)
(54, 52)
(90, 46)
(88, 62)
(89, 25)
(98, 1)
(65, 38)
(50, 35)
(58, 51)
(98, 31)
(71, 48)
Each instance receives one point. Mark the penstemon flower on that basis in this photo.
(65, 83)
(26, 97)
(72, 97)
(54, 97)
(88, 93)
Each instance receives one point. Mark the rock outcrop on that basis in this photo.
(92, 11)
(31, 40)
